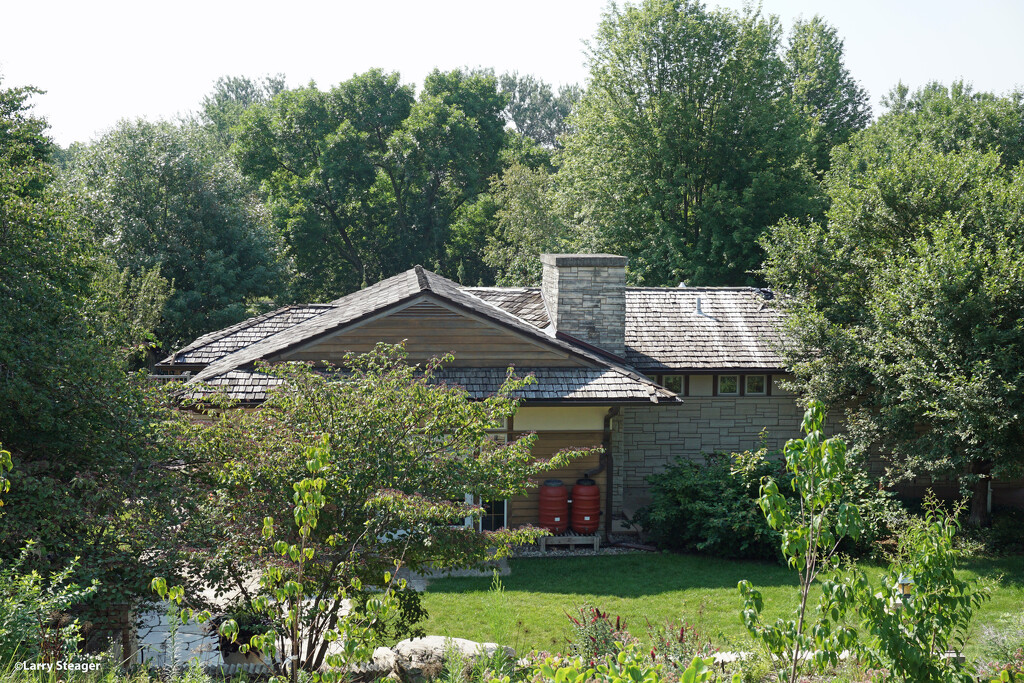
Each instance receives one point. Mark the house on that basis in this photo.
(650, 373)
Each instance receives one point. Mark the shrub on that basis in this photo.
(712, 508)
(1004, 536)
(676, 646)
(629, 665)
(594, 635)
(908, 635)
(33, 623)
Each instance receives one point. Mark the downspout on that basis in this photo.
(606, 464)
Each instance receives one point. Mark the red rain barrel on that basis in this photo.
(586, 506)
(554, 506)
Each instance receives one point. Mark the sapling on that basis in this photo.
(812, 528)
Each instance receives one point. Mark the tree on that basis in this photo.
(812, 527)
(687, 146)
(528, 224)
(164, 196)
(222, 109)
(397, 453)
(535, 110)
(91, 475)
(834, 104)
(905, 306)
(910, 633)
(366, 179)
(905, 634)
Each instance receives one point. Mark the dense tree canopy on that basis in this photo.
(530, 220)
(160, 195)
(906, 304)
(823, 89)
(222, 109)
(366, 178)
(87, 479)
(535, 110)
(688, 144)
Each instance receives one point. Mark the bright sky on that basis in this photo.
(104, 60)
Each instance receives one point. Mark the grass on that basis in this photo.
(650, 588)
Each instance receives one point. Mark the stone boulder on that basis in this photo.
(386, 663)
(418, 659)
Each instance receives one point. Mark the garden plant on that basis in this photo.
(812, 528)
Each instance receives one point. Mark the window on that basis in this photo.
(755, 385)
(495, 511)
(673, 383)
(494, 515)
(728, 385)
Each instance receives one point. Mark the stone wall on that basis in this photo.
(645, 439)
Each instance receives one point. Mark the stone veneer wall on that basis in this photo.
(585, 295)
(645, 439)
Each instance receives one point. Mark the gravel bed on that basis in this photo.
(619, 545)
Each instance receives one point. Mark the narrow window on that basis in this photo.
(755, 385)
(495, 511)
(728, 385)
(494, 515)
(673, 383)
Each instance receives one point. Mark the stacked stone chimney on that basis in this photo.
(585, 295)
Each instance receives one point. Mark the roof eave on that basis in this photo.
(713, 371)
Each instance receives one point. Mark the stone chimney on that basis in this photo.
(585, 295)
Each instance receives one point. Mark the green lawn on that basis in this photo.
(646, 588)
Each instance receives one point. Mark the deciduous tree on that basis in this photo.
(824, 91)
(528, 223)
(536, 110)
(366, 179)
(166, 196)
(906, 304)
(91, 476)
(687, 144)
(398, 454)
(222, 109)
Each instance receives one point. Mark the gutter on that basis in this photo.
(606, 464)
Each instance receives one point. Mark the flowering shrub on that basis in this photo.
(676, 646)
(595, 636)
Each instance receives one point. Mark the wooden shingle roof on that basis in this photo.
(525, 303)
(733, 328)
(738, 329)
(590, 385)
(601, 386)
(605, 379)
(214, 345)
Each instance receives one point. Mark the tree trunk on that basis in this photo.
(979, 516)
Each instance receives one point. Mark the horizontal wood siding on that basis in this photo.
(433, 330)
(524, 509)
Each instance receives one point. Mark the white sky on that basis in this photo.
(104, 60)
